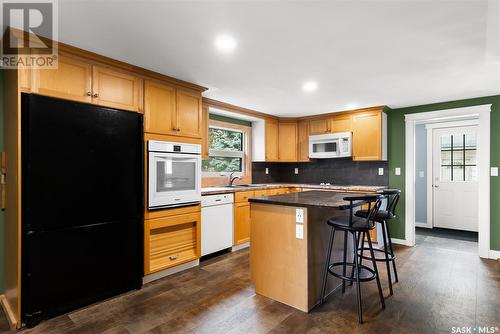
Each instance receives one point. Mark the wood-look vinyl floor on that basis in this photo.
(443, 283)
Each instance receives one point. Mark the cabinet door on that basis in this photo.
(189, 114)
(287, 141)
(170, 241)
(341, 123)
(319, 126)
(303, 141)
(115, 89)
(204, 132)
(367, 136)
(71, 80)
(272, 140)
(159, 108)
(241, 223)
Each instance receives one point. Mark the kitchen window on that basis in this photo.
(226, 147)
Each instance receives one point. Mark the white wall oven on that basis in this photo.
(174, 174)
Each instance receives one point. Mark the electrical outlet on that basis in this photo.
(299, 216)
(494, 171)
(299, 231)
(397, 171)
(267, 171)
(296, 171)
(380, 171)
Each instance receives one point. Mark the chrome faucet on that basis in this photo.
(231, 179)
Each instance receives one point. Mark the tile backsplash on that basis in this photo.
(341, 171)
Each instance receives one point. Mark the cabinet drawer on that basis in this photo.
(258, 193)
(243, 196)
(170, 241)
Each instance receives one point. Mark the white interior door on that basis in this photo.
(454, 183)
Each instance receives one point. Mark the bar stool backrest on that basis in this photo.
(392, 196)
(374, 202)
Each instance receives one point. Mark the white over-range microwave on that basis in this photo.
(174, 173)
(331, 145)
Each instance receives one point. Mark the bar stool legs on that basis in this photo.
(386, 252)
(392, 252)
(374, 263)
(327, 265)
(358, 272)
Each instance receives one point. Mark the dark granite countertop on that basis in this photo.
(354, 188)
(313, 199)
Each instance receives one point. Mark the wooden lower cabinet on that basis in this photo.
(170, 241)
(241, 222)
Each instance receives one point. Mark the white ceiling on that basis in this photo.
(395, 53)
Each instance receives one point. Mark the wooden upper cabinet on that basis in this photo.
(115, 89)
(72, 80)
(367, 136)
(189, 114)
(159, 108)
(287, 139)
(272, 130)
(303, 140)
(341, 123)
(319, 126)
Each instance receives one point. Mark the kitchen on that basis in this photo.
(206, 216)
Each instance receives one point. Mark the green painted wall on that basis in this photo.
(396, 150)
(1, 212)
(229, 120)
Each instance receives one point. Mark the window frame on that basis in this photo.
(228, 154)
(215, 178)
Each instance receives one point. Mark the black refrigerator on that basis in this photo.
(82, 205)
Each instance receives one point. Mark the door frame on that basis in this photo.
(430, 158)
(482, 114)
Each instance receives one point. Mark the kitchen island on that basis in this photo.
(289, 241)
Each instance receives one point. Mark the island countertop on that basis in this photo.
(311, 199)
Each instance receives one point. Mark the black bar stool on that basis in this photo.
(382, 217)
(355, 226)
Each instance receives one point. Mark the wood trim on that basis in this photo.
(342, 112)
(240, 110)
(208, 181)
(9, 314)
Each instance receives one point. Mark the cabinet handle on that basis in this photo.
(96, 95)
(89, 93)
(173, 257)
(176, 129)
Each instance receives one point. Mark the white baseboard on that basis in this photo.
(400, 242)
(170, 271)
(494, 254)
(240, 246)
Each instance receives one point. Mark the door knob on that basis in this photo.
(436, 186)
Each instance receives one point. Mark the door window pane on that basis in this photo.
(222, 164)
(458, 158)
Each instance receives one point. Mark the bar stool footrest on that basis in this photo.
(366, 273)
(392, 257)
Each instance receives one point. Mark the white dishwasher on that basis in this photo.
(216, 223)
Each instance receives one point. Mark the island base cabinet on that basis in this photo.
(288, 267)
(170, 241)
(241, 223)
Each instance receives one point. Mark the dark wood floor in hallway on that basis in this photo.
(443, 284)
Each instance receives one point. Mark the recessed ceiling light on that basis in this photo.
(225, 43)
(309, 86)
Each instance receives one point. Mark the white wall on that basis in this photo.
(420, 174)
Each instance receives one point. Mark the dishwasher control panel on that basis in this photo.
(211, 200)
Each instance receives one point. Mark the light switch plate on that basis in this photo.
(494, 171)
(296, 171)
(421, 174)
(299, 216)
(380, 171)
(267, 171)
(397, 171)
(299, 231)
